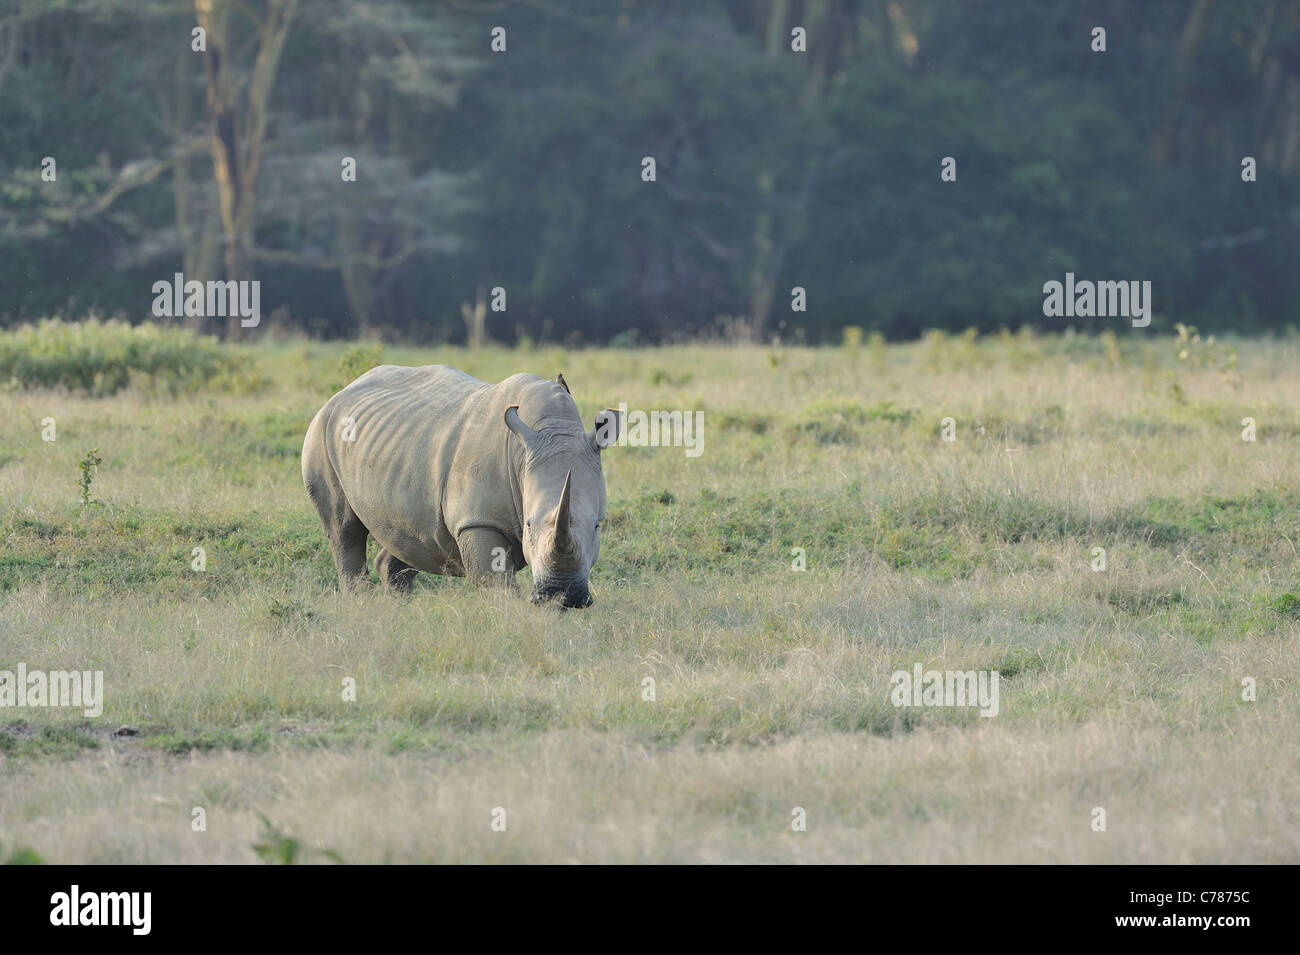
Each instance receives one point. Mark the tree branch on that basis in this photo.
(131, 176)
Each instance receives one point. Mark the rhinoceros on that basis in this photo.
(454, 476)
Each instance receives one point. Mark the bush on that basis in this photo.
(101, 358)
(356, 361)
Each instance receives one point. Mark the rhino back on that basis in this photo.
(429, 456)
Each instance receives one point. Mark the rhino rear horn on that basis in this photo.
(516, 424)
(563, 539)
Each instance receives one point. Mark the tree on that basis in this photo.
(238, 129)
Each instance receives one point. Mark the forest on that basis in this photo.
(455, 172)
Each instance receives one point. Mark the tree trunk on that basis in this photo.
(356, 272)
(762, 280)
(200, 239)
(1188, 46)
(357, 275)
(236, 151)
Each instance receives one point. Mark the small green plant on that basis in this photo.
(88, 467)
(1195, 352)
(355, 362)
(277, 848)
(876, 348)
(1114, 357)
(23, 856)
(290, 611)
(1288, 605)
(946, 353)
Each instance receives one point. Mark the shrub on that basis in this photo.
(102, 358)
(356, 361)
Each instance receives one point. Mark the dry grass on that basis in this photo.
(1121, 689)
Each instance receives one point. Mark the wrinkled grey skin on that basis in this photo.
(455, 476)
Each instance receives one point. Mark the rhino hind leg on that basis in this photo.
(348, 544)
(344, 530)
(488, 557)
(394, 573)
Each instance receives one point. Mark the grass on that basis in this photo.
(1120, 689)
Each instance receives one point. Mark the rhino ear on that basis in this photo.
(608, 425)
(563, 384)
(516, 424)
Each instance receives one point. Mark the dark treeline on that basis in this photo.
(523, 169)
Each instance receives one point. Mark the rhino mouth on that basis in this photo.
(569, 594)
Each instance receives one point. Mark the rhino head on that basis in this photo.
(562, 492)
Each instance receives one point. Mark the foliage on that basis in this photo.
(101, 358)
(88, 466)
(277, 848)
(21, 856)
(356, 361)
(775, 169)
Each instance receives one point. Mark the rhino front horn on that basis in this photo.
(563, 539)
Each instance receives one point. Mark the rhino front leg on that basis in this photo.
(394, 573)
(489, 557)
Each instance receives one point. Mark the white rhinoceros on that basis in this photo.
(442, 470)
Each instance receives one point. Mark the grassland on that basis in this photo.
(1121, 689)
